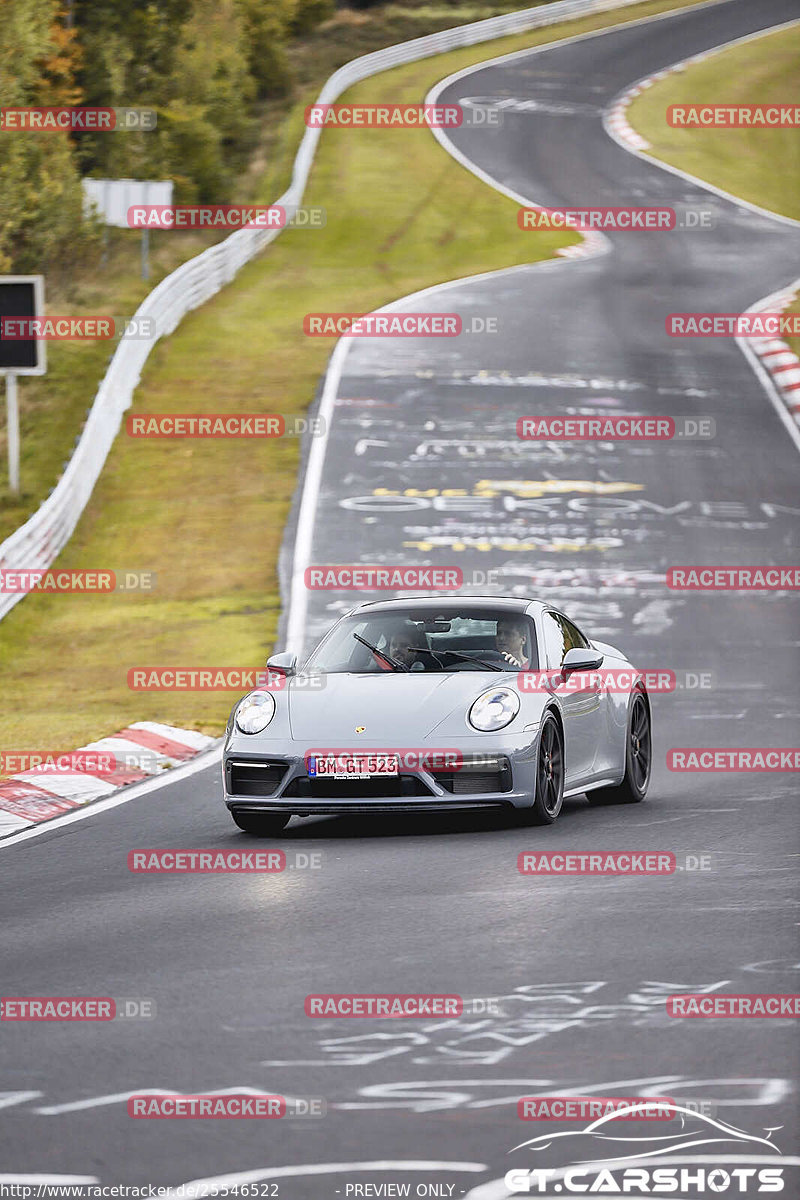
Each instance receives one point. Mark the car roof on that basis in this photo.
(443, 603)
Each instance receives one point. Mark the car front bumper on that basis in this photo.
(272, 777)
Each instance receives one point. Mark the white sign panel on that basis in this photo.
(113, 197)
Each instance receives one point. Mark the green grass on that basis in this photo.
(53, 407)
(208, 517)
(760, 165)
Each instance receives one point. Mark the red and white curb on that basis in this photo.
(593, 243)
(615, 119)
(139, 751)
(775, 365)
(777, 357)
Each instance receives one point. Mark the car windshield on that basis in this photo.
(408, 639)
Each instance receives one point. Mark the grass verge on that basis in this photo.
(208, 518)
(760, 165)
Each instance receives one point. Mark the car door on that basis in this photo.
(582, 699)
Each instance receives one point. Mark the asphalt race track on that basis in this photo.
(579, 968)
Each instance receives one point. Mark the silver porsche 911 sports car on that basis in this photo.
(436, 704)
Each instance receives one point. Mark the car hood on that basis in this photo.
(394, 708)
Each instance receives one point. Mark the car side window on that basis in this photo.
(554, 639)
(573, 635)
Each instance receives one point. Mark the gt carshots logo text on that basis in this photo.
(680, 1164)
(646, 1181)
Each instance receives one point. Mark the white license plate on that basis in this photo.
(352, 766)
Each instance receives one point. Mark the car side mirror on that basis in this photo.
(284, 664)
(581, 660)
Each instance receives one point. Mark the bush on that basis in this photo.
(266, 23)
(309, 14)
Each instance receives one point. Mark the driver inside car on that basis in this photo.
(510, 641)
(407, 647)
(402, 646)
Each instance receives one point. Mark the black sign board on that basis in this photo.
(21, 296)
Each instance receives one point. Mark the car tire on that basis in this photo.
(638, 759)
(549, 794)
(260, 824)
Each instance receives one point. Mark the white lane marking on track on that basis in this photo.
(241, 1178)
(703, 183)
(8, 1099)
(122, 797)
(57, 1110)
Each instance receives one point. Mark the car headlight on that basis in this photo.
(255, 712)
(494, 709)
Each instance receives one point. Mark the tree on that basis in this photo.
(41, 203)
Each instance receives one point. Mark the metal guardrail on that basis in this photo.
(37, 543)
